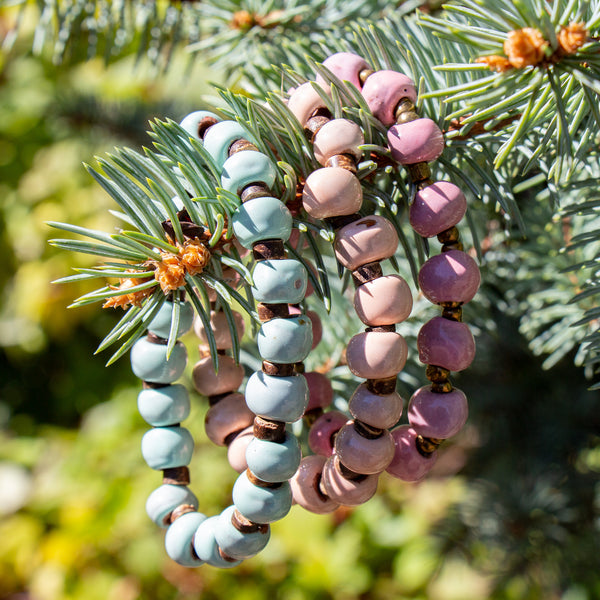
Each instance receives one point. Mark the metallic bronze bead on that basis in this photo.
(427, 446)
(437, 374)
(181, 510)
(255, 190)
(176, 476)
(266, 312)
(382, 387)
(240, 145)
(419, 172)
(277, 369)
(365, 74)
(254, 480)
(272, 431)
(239, 521)
(313, 125)
(449, 236)
(367, 273)
(268, 250)
(368, 431)
(344, 161)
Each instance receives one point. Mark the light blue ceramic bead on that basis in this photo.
(164, 406)
(206, 546)
(261, 504)
(167, 447)
(246, 167)
(149, 361)
(277, 398)
(165, 499)
(180, 537)
(237, 544)
(261, 219)
(191, 122)
(219, 137)
(161, 324)
(285, 340)
(273, 461)
(280, 281)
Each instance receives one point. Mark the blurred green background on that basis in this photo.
(512, 510)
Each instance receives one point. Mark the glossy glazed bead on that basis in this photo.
(261, 504)
(383, 301)
(305, 486)
(345, 491)
(285, 340)
(161, 324)
(317, 327)
(220, 137)
(376, 354)
(191, 122)
(236, 451)
(346, 67)
(179, 539)
(321, 437)
(277, 398)
(375, 410)
(247, 167)
(331, 192)
(367, 240)
(451, 276)
(273, 461)
(416, 141)
(279, 281)
(362, 455)
(149, 361)
(383, 91)
(260, 219)
(437, 415)
(304, 101)
(209, 383)
(165, 499)
(408, 463)
(339, 136)
(228, 416)
(220, 328)
(165, 405)
(235, 543)
(436, 208)
(167, 447)
(446, 343)
(206, 547)
(320, 392)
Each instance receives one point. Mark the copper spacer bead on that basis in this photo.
(268, 250)
(347, 473)
(449, 236)
(205, 124)
(382, 387)
(405, 105)
(255, 190)
(243, 525)
(155, 339)
(341, 221)
(419, 171)
(427, 446)
(452, 246)
(299, 367)
(254, 480)
(421, 185)
(453, 313)
(437, 374)
(272, 431)
(368, 431)
(407, 117)
(310, 416)
(380, 328)
(277, 369)
(365, 74)
(366, 273)
(313, 125)
(266, 312)
(152, 385)
(240, 145)
(444, 387)
(176, 476)
(227, 557)
(181, 510)
(343, 161)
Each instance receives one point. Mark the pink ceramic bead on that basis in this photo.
(321, 436)
(220, 328)
(451, 276)
(436, 208)
(320, 392)
(408, 463)
(376, 354)
(416, 141)
(339, 136)
(362, 455)
(375, 410)
(346, 67)
(331, 192)
(436, 415)
(209, 383)
(383, 90)
(446, 343)
(304, 101)
(367, 240)
(346, 491)
(229, 415)
(236, 451)
(383, 301)
(317, 327)
(305, 486)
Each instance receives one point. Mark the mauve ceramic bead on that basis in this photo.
(331, 192)
(317, 327)
(376, 354)
(436, 208)
(416, 141)
(304, 101)
(383, 91)
(446, 343)
(437, 415)
(236, 451)
(321, 434)
(346, 67)
(228, 415)
(367, 240)
(408, 463)
(363, 455)
(305, 486)
(375, 410)
(209, 383)
(220, 328)
(320, 392)
(339, 136)
(345, 491)
(383, 301)
(451, 276)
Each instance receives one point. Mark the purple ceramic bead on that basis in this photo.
(304, 101)
(445, 343)
(346, 491)
(408, 463)
(416, 141)
(362, 455)
(383, 91)
(451, 276)
(346, 67)
(437, 415)
(376, 354)
(321, 437)
(331, 192)
(339, 136)
(305, 486)
(320, 392)
(381, 411)
(436, 208)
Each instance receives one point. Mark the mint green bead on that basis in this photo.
(161, 324)
(165, 499)
(246, 167)
(277, 398)
(191, 122)
(220, 137)
(149, 361)
(285, 340)
(164, 405)
(206, 546)
(167, 447)
(262, 219)
(273, 461)
(280, 281)
(239, 544)
(261, 504)
(179, 538)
